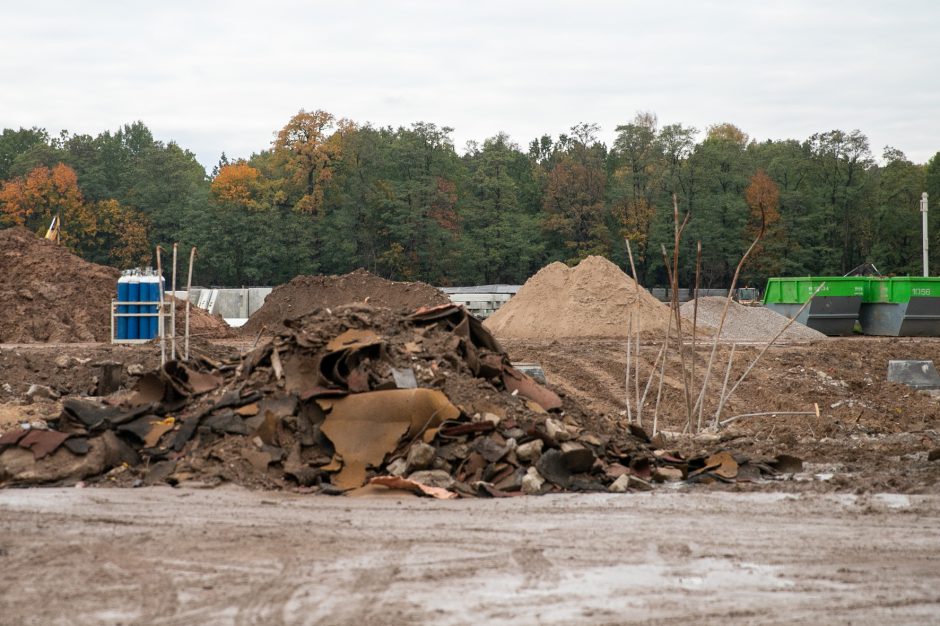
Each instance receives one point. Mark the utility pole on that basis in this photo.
(923, 212)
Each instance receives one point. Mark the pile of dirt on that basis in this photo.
(49, 294)
(201, 323)
(748, 323)
(350, 399)
(593, 299)
(303, 294)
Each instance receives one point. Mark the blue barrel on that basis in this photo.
(150, 291)
(123, 289)
(133, 295)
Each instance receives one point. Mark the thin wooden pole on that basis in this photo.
(724, 397)
(695, 296)
(636, 309)
(161, 326)
(674, 304)
(173, 307)
(737, 417)
(724, 312)
(189, 287)
(662, 372)
(646, 388)
(627, 377)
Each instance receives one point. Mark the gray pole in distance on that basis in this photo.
(923, 212)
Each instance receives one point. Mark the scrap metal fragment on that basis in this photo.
(723, 465)
(227, 422)
(404, 378)
(353, 339)
(365, 427)
(188, 381)
(42, 442)
(301, 372)
(525, 386)
(395, 482)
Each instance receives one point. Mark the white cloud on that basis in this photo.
(226, 75)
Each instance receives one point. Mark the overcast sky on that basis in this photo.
(224, 76)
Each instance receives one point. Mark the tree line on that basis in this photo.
(330, 195)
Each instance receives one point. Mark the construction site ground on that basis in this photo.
(231, 556)
(852, 538)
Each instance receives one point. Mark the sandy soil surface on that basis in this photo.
(870, 434)
(229, 556)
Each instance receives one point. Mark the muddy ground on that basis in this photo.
(844, 541)
(230, 556)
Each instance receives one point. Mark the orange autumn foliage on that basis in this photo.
(307, 153)
(123, 233)
(34, 199)
(237, 183)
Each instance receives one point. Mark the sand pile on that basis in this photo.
(303, 294)
(592, 299)
(49, 294)
(747, 323)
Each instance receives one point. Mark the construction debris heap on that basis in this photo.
(357, 398)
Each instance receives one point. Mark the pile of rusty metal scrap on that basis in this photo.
(354, 399)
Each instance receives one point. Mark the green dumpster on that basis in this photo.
(901, 306)
(833, 311)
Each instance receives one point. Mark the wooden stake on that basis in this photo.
(173, 307)
(639, 410)
(636, 309)
(627, 382)
(724, 312)
(695, 296)
(737, 417)
(724, 397)
(189, 287)
(161, 327)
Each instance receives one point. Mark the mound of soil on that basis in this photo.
(748, 323)
(49, 294)
(593, 299)
(303, 294)
(201, 323)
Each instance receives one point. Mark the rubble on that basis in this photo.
(323, 406)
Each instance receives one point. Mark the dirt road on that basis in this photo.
(229, 556)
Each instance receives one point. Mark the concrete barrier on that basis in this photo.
(229, 303)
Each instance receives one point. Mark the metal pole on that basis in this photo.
(160, 324)
(173, 308)
(923, 212)
(189, 286)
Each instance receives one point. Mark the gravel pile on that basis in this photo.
(748, 323)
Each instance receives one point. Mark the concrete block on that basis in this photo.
(916, 374)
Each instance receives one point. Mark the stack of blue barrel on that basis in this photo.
(138, 286)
